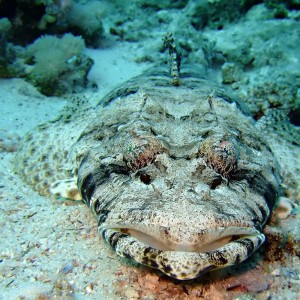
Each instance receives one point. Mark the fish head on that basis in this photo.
(186, 192)
(180, 213)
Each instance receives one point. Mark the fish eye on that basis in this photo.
(142, 151)
(221, 154)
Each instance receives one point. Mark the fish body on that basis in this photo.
(178, 177)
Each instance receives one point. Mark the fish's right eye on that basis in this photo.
(141, 151)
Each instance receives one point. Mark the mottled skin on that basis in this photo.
(178, 177)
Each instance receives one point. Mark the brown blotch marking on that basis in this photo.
(48, 174)
(44, 184)
(32, 151)
(36, 178)
(25, 163)
(42, 158)
(28, 138)
(45, 166)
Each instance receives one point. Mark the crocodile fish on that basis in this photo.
(178, 176)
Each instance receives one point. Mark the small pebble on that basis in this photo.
(131, 294)
(89, 288)
(68, 267)
(276, 272)
(284, 208)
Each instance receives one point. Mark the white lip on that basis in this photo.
(213, 240)
(204, 241)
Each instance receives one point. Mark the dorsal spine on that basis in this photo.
(175, 57)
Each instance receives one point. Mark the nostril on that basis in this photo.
(145, 178)
(216, 182)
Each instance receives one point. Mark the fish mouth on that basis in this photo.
(185, 261)
(209, 240)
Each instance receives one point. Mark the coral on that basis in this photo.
(230, 73)
(279, 8)
(85, 20)
(164, 4)
(55, 12)
(31, 19)
(56, 63)
(216, 14)
(49, 64)
(280, 243)
(5, 28)
(268, 93)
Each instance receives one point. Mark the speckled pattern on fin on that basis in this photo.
(284, 140)
(43, 155)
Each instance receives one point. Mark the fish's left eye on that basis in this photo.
(221, 154)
